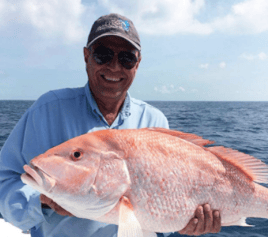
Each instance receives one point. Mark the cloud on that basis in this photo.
(158, 17)
(181, 88)
(260, 56)
(50, 18)
(247, 17)
(204, 66)
(247, 56)
(168, 89)
(69, 20)
(222, 65)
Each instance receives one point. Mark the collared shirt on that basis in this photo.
(55, 117)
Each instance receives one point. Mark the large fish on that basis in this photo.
(149, 180)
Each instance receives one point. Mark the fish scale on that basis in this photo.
(151, 179)
(196, 191)
(158, 173)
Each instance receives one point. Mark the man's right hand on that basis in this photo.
(45, 200)
(205, 221)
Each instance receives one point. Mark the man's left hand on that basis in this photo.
(57, 208)
(205, 221)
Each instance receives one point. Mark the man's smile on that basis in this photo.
(111, 79)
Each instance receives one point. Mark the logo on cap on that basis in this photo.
(125, 25)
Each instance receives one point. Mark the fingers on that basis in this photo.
(205, 221)
(60, 210)
(199, 213)
(44, 199)
(216, 222)
(209, 218)
(190, 227)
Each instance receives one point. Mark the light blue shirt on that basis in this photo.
(55, 117)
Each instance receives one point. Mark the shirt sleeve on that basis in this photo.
(159, 119)
(19, 203)
(162, 122)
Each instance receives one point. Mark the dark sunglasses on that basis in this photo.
(104, 55)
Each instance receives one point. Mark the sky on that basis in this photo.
(192, 50)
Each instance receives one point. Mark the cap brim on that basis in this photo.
(138, 47)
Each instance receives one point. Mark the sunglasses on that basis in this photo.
(104, 55)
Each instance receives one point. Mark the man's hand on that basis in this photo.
(45, 200)
(205, 221)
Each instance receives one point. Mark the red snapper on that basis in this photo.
(149, 180)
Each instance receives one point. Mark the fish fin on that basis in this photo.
(128, 225)
(195, 139)
(254, 169)
(147, 233)
(240, 222)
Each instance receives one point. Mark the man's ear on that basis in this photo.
(86, 54)
(138, 62)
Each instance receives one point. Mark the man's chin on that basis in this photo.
(101, 95)
(115, 96)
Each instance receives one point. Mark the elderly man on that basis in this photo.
(112, 57)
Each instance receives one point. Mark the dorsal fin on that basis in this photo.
(254, 169)
(195, 139)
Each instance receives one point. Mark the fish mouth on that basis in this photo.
(37, 178)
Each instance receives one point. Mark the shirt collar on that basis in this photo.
(93, 105)
(124, 112)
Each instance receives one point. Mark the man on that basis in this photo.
(112, 57)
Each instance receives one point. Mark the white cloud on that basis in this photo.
(51, 18)
(181, 88)
(158, 17)
(204, 66)
(247, 56)
(247, 17)
(168, 89)
(164, 89)
(260, 56)
(65, 19)
(222, 65)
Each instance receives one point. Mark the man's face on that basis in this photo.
(110, 80)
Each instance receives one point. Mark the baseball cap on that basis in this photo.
(114, 25)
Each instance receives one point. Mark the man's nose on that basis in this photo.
(114, 64)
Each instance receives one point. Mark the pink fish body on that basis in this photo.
(149, 180)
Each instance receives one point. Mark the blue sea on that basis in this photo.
(239, 125)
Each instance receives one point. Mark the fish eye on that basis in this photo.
(76, 155)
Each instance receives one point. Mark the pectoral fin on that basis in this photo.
(129, 226)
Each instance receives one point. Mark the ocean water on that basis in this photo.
(10, 113)
(239, 125)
